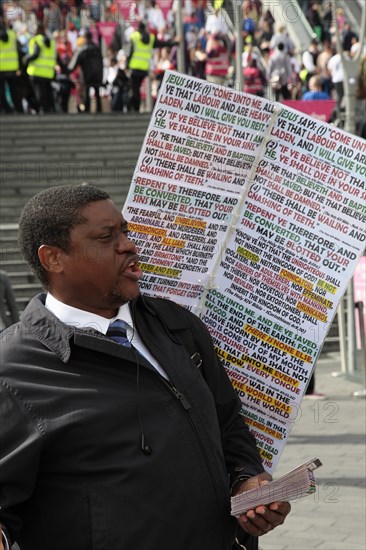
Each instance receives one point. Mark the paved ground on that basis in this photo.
(334, 431)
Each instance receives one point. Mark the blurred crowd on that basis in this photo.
(78, 55)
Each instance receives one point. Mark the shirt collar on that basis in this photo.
(80, 318)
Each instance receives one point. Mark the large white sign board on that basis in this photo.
(253, 216)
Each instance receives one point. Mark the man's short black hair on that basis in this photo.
(49, 217)
(141, 27)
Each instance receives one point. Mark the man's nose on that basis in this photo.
(125, 244)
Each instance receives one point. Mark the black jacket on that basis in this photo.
(90, 59)
(73, 475)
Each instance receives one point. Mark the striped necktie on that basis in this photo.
(117, 332)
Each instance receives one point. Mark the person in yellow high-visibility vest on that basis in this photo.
(10, 55)
(142, 46)
(41, 62)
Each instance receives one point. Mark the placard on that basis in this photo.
(253, 216)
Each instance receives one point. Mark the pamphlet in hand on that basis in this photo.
(296, 484)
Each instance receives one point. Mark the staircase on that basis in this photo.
(37, 152)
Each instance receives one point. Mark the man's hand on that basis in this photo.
(264, 518)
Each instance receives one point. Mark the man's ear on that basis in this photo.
(50, 258)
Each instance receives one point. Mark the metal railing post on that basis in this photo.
(359, 307)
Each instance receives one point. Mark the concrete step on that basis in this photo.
(98, 151)
(12, 193)
(61, 122)
(57, 150)
(22, 278)
(42, 151)
(14, 265)
(116, 190)
(50, 142)
(16, 201)
(90, 119)
(8, 240)
(9, 229)
(66, 121)
(11, 206)
(23, 301)
(51, 145)
(83, 118)
(9, 252)
(26, 290)
(91, 169)
(110, 176)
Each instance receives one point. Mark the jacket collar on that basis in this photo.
(56, 335)
(47, 328)
(148, 314)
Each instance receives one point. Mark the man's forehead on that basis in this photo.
(103, 212)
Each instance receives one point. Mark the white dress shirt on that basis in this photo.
(84, 319)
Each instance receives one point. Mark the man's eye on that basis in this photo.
(106, 237)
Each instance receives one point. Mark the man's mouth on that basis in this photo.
(132, 268)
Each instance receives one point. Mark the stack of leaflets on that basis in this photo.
(296, 484)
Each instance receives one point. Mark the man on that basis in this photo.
(10, 55)
(53, 18)
(349, 37)
(142, 44)
(90, 59)
(41, 65)
(155, 19)
(314, 17)
(315, 92)
(322, 65)
(115, 446)
(251, 52)
(309, 60)
(336, 72)
(279, 72)
(216, 24)
(217, 60)
(281, 37)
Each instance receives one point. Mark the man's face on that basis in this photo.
(100, 272)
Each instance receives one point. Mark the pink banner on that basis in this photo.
(165, 6)
(107, 31)
(321, 109)
(128, 10)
